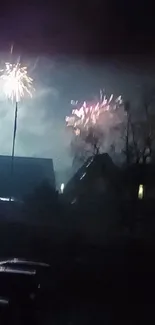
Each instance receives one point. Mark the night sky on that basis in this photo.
(79, 28)
(72, 48)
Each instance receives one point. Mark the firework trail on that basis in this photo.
(16, 85)
(11, 50)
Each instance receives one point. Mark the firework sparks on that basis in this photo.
(88, 116)
(16, 81)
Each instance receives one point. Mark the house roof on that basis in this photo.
(98, 166)
(27, 174)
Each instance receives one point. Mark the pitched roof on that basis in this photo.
(27, 174)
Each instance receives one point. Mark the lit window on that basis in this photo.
(141, 192)
(62, 187)
(89, 163)
(82, 176)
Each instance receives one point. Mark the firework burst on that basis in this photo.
(17, 83)
(89, 115)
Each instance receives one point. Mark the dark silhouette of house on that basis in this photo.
(96, 175)
(136, 175)
(28, 173)
(138, 196)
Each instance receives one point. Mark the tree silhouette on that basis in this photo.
(139, 132)
(88, 144)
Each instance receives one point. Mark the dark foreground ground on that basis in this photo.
(88, 284)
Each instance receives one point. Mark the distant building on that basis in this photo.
(138, 196)
(28, 174)
(95, 176)
(136, 177)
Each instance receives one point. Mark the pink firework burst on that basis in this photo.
(89, 115)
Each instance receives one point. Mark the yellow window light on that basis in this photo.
(141, 191)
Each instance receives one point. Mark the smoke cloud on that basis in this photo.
(41, 128)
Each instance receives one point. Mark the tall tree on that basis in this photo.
(89, 143)
(139, 130)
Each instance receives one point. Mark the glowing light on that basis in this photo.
(74, 201)
(16, 81)
(6, 199)
(7, 269)
(62, 187)
(77, 131)
(141, 192)
(89, 163)
(88, 115)
(82, 176)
